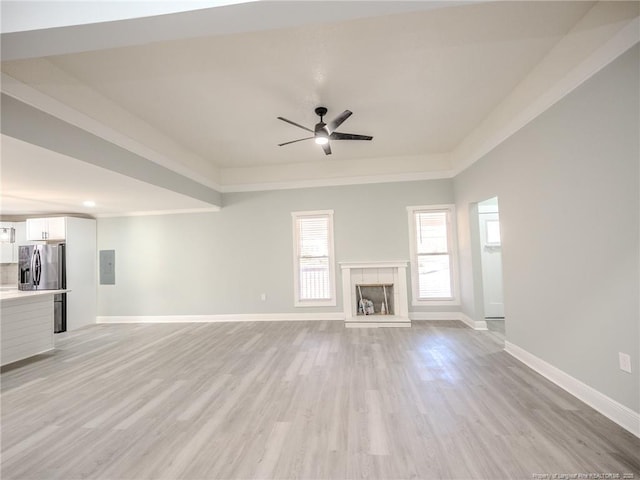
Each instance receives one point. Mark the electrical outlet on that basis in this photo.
(263, 297)
(625, 362)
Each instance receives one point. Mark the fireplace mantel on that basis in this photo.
(375, 272)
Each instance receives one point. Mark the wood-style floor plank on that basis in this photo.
(306, 400)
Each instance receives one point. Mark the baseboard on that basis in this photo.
(277, 317)
(615, 411)
(377, 324)
(475, 324)
(232, 317)
(434, 316)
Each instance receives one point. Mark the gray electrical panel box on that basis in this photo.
(107, 267)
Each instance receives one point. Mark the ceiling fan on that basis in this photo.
(322, 132)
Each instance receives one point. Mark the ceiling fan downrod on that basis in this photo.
(321, 112)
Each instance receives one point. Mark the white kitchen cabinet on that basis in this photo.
(36, 228)
(53, 228)
(27, 324)
(57, 228)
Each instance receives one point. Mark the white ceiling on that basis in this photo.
(417, 82)
(422, 83)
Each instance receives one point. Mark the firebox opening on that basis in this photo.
(375, 299)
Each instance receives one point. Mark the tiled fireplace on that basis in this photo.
(375, 294)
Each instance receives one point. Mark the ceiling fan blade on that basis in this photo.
(294, 141)
(296, 124)
(349, 136)
(327, 148)
(339, 119)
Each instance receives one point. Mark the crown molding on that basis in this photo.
(159, 212)
(333, 182)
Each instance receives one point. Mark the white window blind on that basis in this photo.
(433, 259)
(314, 245)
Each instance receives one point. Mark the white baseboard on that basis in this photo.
(377, 324)
(276, 317)
(623, 416)
(475, 324)
(434, 316)
(232, 317)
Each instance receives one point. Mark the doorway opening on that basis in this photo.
(491, 265)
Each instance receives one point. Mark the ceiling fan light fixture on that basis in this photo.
(320, 134)
(323, 132)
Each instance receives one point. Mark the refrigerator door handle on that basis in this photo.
(32, 268)
(38, 268)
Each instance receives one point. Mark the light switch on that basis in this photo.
(625, 362)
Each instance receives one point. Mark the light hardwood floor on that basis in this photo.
(295, 400)
(497, 328)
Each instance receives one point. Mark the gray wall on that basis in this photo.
(569, 208)
(220, 263)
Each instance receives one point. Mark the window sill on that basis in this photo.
(315, 303)
(435, 303)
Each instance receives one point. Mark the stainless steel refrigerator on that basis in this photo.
(42, 267)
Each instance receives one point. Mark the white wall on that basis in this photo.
(221, 263)
(568, 188)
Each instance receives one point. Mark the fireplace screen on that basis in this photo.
(375, 299)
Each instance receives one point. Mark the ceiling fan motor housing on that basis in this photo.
(321, 128)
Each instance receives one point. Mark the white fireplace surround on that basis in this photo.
(359, 273)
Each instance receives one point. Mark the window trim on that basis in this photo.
(452, 250)
(297, 302)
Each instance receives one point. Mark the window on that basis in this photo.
(314, 269)
(433, 260)
(493, 232)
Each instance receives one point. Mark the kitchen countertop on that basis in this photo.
(14, 293)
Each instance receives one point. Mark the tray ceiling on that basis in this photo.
(422, 82)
